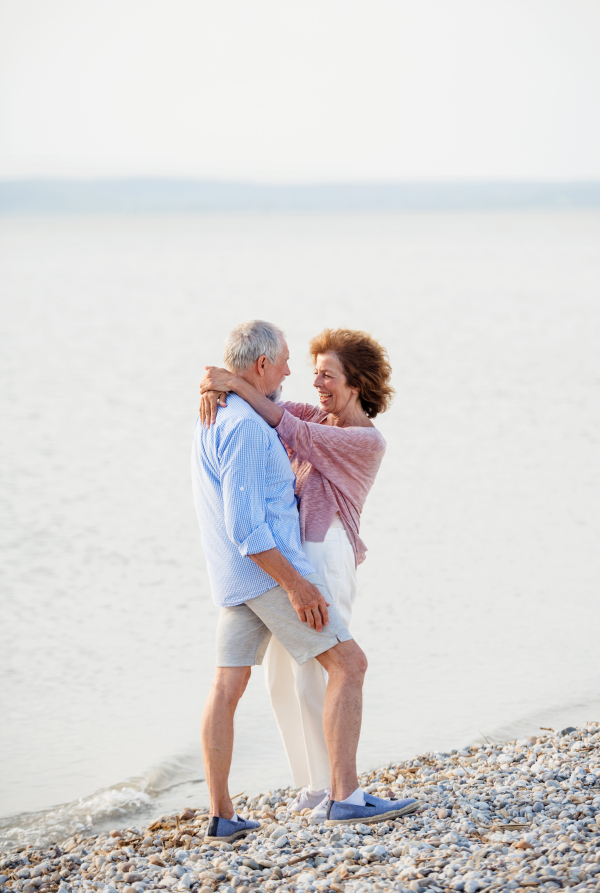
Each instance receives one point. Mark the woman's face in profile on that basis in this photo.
(330, 382)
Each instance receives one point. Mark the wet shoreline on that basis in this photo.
(520, 816)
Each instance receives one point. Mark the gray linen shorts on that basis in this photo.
(244, 631)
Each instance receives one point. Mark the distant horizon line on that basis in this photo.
(136, 194)
(248, 181)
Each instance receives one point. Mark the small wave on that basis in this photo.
(101, 809)
(54, 825)
(171, 773)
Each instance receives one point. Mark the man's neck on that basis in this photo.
(256, 381)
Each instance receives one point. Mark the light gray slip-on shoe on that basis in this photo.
(319, 813)
(226, 831)
(306, 799)
(374, 810)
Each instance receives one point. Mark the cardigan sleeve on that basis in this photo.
(347, 457)
(304, 411)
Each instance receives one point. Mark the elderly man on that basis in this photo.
(263, 583)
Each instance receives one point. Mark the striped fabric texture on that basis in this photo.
(243, 487)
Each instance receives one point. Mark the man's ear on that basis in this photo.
(261, 365)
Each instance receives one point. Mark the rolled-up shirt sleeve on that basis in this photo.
(243, 462)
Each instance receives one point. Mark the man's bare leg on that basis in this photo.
(346, 665)
(228, 687)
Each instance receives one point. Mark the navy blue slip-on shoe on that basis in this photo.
(374, 810)
(225, 831)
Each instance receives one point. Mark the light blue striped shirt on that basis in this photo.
(244, 494)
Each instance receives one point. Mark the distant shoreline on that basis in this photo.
(156, 195)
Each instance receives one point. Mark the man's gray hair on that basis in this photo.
(249, 341)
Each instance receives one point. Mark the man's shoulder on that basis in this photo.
(238, 420)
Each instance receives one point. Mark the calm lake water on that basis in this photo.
(478, 602)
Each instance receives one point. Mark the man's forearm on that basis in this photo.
(278, 567)
(305, 597)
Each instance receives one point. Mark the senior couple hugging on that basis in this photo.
(279, 488)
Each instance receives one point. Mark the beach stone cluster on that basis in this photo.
(520, 816)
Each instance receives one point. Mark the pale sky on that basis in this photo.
(270, 90)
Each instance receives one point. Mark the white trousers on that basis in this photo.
(298, 692)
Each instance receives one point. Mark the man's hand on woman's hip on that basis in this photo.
(309, 604)
(304, 596)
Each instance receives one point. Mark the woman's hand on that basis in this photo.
(214, 388)
(209, 403)
(222, 381)
(217, 380)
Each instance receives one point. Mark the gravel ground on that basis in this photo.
(516, 816)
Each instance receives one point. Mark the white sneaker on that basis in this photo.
(308, 800)
(319, 813)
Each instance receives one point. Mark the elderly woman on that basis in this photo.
(335, 451)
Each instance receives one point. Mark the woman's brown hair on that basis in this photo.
(366, 365)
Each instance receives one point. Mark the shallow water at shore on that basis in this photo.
(513, 817)
(477, 602)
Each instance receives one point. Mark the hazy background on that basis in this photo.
(277, 91)
(483, 525)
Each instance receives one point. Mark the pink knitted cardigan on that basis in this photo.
(335, 468)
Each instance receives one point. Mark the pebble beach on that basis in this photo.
(516, 816)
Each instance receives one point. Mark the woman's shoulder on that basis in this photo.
(365, 439)
(369, 434)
